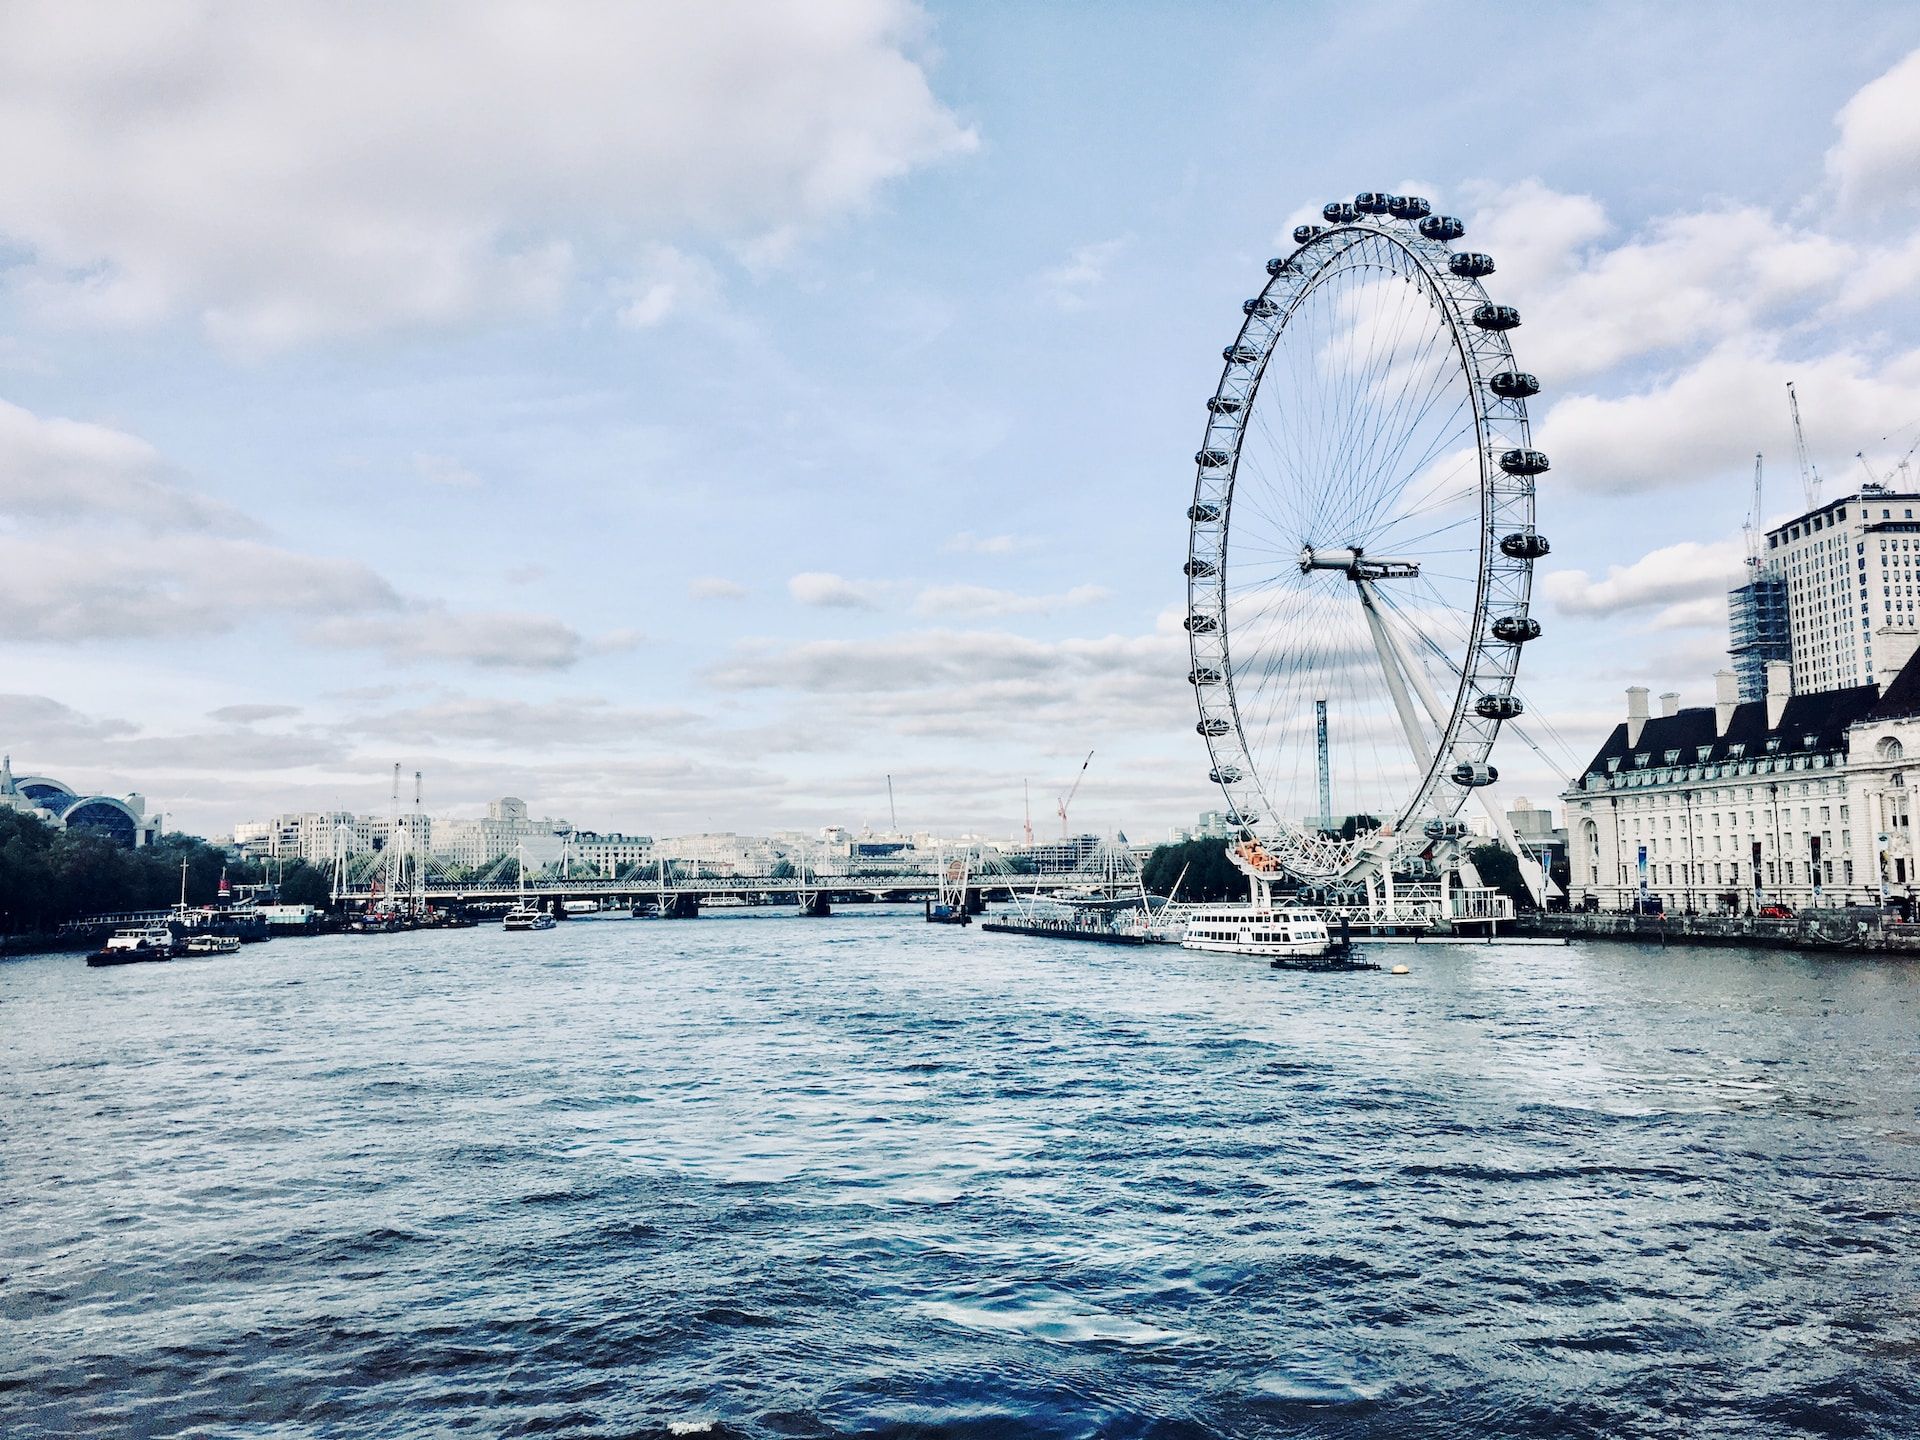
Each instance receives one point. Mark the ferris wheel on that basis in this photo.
(1362, 543)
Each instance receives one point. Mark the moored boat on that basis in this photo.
(211, 945)
(525, 917)
(134, 945)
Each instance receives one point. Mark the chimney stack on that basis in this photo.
(1779, 687)
(1636, 712)
(1670, 704)
(1726, 695)
(1892, 649)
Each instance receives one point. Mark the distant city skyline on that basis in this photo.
(691, 455)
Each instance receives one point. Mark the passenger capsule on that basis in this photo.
(1470, 776)
(1303, 233)
(1524, 545)
(1278, 265)
(1201, 569)
(1240, 354)
(1445, 827)
(1516, 629)
(1409, 207)
(1213, 727)
(1243, 817)
(1203, 513)
(1260, 305)
(1225, 775)
(1442, 227)
(1470, 265)
(1370, 202)
(1524, 462)
(1498, 707)
(1211, 459)
(1338, 212)
(1225, 404)
(1202, 624)
(1513, 385)
(1205, 675)
(1496, 317)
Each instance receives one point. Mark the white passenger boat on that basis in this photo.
(212, 945)
(525, 917)
(1257, 926)
(133, 945)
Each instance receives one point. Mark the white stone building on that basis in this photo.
(1850, 568)
(1739, 805)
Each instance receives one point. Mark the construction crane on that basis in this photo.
(893, 815)
(1067, 799)
(1809, 476)
(1753, 525)
(1026, 794)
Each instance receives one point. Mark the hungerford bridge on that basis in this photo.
(374, 879)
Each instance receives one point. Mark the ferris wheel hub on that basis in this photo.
(1356, 564)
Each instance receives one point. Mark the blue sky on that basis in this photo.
(685, 417)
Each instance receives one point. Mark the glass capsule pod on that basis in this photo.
(1372, 202)
(1202, 624)
(1524, 462)
(1240, 354)
(1211, 459)
(1470, 265)
(1225, 775)
(1303, 233)
(1278, 264)
(1498, 707)
(1445, 827)
(1442, 227)
(1205, 675)
(1409, 207)
(1260, 305)
(1242, 818)
(1338, 212)
(1514, 385)
(1516, 629)
(1496, 317)
(1203, 513)
(1200, 569)
(1470, 776)
(1524, 545)
(1213, 727)
(1225, 404)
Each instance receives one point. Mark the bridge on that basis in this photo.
(683, 895)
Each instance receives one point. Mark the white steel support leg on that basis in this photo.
(1390, 663)
(1530, 870)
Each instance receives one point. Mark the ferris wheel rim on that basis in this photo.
(1482, 698)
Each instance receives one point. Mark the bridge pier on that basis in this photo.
(976, 901)
(685, 906)
(816, 904)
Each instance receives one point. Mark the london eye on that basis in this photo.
(1361, 545)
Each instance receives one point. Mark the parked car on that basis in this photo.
(1775, 912)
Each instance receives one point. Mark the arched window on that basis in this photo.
(1889, 748)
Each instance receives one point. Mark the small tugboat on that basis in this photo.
(212, 945)
(949, 907)
(526, 917)
(134, 945)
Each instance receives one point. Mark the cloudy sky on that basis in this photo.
(684, 416)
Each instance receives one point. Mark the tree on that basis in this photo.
(1499, 869)
(305, 884)
(1210, 875)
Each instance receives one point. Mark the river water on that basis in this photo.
(767, 1176)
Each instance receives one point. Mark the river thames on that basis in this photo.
(765, 1176)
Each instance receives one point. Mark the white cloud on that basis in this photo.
(715, 587)
(1712, 416)
(968, 543)
(666, 282)
(982, 602)
(1071, 285)
(822, 588)
(1876, 161)
(503, 640)
(55, 469)
(252, 714)
(1685, 573)
(444, 470)
(310, 169)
